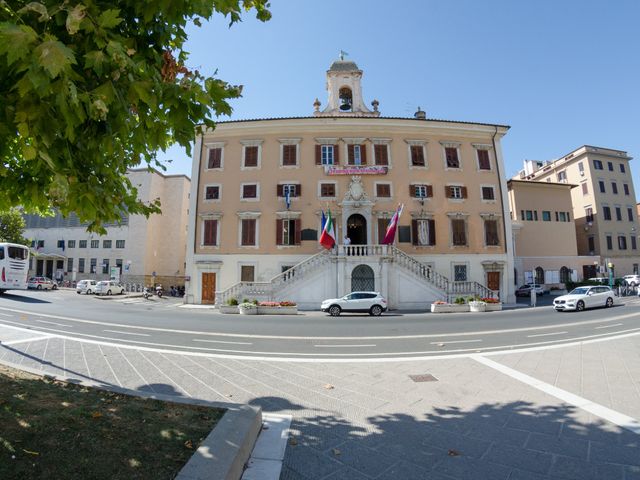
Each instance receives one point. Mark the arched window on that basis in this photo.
(565, 275)
(539, 275)
(346, 99)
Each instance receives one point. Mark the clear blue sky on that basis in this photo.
(561, 73)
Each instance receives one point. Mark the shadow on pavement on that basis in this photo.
(19, 298)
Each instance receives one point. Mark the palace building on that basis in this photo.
(260, 186)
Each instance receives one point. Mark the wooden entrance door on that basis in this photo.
(493, 281)
(208, 287)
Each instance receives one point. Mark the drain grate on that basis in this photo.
(427, 377)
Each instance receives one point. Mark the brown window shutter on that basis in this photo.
(464, 192)
(336, 154)
(318, 154)
(412, 190)
(252, 230)
(432, 232)
(298, 232)
(280, 190)
(447, 192)
(350, 155)
(363, 154)
(382, 229)
(414, 232)
(298, 191)
(429, 191)
(279, 232)
(245, 233)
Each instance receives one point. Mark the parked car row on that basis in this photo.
(104, 287)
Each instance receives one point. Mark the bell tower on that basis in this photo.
(345, 92)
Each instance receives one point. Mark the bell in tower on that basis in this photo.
(346, 100)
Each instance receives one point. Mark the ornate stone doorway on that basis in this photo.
(357, 229)
(363, 279)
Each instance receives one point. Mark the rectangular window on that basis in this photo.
(383, 190)
(247, 273)
(460, 273)
(119, 243)
(591, 244)
(288, 232)
(562, 176)
(105, 265)
(625, 187)
(69, 265)
(614, 188)
(106, 244)
(248, 235)
(529, 215)
(622, 170)
(630, 214)
(483, 160)
(423, 232)
(327, 190)
(597, 165)
(356, 155)
(622, 242)
(581, 168)
(251, 156)
(535, 215)
(326, 154)
(289, 155)
(487, 193)
(456, 191)
(81, 265)
(381, 154)
(93, 263)
(491, 237)
(634, 246)
(610, 165)
(420, 191)
(417, 156)
(618, 214)
(215, 158)
(212, 193)
(522, 215)
(606, 212)
(71, 244)
(61, 244)
(95, 243)
(585, 189)
(601, 184)
(250, 191)
(563, 216)
(82, 244)
(210, 238)
(451, 155)
(546, 216)
(119, 264)
(589, 214)
(459, 232)
(609, 242)
(40, 243)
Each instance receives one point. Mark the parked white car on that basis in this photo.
(41, 283)
(109, 287)
(585, 297)
(86, 286)
(632, 280)
(366, 302)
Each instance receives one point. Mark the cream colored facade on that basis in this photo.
(361, 190)
(139, 247)
(604, 205)
(544, 233)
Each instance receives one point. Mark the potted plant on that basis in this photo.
(492, 304)
(247, 308)
(277, 308)
(230, 307)
(459, 305)
(476, 304)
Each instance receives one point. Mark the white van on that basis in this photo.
(86, 286)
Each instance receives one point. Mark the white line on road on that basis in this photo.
(25, 340)
(546, 334)
(54, 323)
(345, 346)
(222, 341)
(128, 333)
(6, 315)
(609, 326)
(601, 411)
(454, 341)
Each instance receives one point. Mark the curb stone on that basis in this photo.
(222, 455)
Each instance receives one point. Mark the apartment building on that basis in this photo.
(603, 205)
(261, 186)
(138, 250)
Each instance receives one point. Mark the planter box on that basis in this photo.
(228, 309)
(477, 307)
(449, 308)
(493, 307)
(248, 311)
(277, 310)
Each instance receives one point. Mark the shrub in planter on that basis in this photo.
(490, 300)
(247, 308)
(288, 304)
(232, 302)
(459, 301)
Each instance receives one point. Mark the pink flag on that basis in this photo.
(390, 236)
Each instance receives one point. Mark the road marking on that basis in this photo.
(6, 315)
(128, 333)
(546, 334)
(454, 341)
(339, 346)
(54, 323)
(601, 411)
(609, 326)
(221, 341)
(25, 340)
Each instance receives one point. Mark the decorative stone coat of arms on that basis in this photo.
(355, 192)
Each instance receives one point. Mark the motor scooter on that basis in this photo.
(146, 292)
(159, 291)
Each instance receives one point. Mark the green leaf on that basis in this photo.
(16, 41)
(36, 7)
(109, 18)
(29, 152)
(54, 57)
(74, 18)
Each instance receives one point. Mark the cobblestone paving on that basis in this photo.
(372, 421)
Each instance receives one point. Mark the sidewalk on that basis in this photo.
(437, 419)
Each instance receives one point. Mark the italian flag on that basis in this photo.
(328, 236)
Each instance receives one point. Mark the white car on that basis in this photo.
(109, 287)
(41, 283)
(86, 286)
(585, 297)
(632, 280)
(367, 302)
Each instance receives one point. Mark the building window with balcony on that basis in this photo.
(212, 192)
(622, 242)
(601, 185)
(488, 193)
(609, 242)
(327, 190)
(451, 156)
(491, 236)
(288, 232)
(458, 232)
(383, 190)
(210, 232)
(483, 160)
(381, 154)
(248, 232)
(417, 155)
(625, 187)
(423, 232)
(249, 191)
(618, 214)
(606, 212)
(455, 192)
(106, 244)
(614, 188)
(597, 165)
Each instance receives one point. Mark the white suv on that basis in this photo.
(109, 287)
(366, 302)
(632, 280)
(86, 286)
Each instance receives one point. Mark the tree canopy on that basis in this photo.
(12, 227)
(91, 88)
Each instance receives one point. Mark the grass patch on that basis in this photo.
(51, 429)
